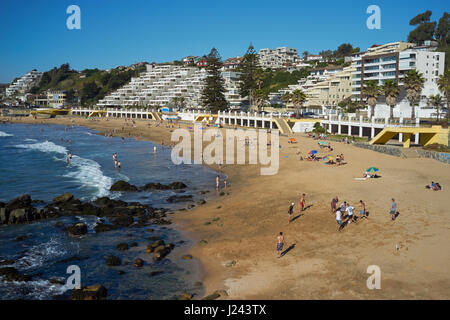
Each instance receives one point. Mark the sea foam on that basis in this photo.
(4, 134)
(87, 172)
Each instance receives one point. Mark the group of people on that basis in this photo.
(117, 163)
(435, 186)
(345, 207)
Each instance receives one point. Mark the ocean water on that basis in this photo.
(33, 161)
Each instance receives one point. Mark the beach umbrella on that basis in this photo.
(292, 140)
(313, 152)
(327, 158)
(322, 143)
(372, 170)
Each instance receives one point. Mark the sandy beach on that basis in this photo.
(322, 263)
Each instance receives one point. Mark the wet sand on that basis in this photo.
(322, 262)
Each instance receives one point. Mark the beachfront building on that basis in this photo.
(24, 83)
(160, 85)
(325, 95)
(391, 62)
(56, 98)
(314, 57)
(277, 58)
(190, 60)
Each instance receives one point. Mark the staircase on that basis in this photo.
(283, 126)
(409, 153)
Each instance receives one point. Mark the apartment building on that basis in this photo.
(232, 63)
(56, 98)
(160, 85)
(326, 95)
(391, 62)
(24, 83)
(277, 58)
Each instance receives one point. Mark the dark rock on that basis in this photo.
(158, 186)
(151, 247)
(4, 215)
(124, 221)
(21, 238)
(6, 262)
(56, 281)
(133, 244)
(89, 209)
(173, 199)
(204, 192)
(212, 296)
(186, 296)
(23, 201)
(186, 257)
(113, 261)
(191, 206)
(201, 201)
(103, 227)
(123, 186)
(94, 292)
(161, 252)
(25, 215)
(11, 274)
(122, 247)
(120, 272)
(78, 229)
(138, 263)
(59, 224)
(66, 197)
(155, 273)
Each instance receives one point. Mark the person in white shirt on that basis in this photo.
(338, 219)
(349, 210)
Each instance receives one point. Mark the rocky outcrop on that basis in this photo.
(122, 247)
(94, 292)
(123, 186)
(138, 263)
(11, 274)
(23, 201)
(66, 197)
(158, 186)
(78, 229)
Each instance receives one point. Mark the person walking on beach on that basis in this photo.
(393, 209)
(334, 202)
(218, 182)
(291, 211)
(280, 243)
(339, 219)
(349, 210)
(302, 203)
(362, 212)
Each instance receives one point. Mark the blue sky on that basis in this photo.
(34, 33)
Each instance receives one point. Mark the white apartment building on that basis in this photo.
(159, 85)
(24, 83)
(277, 58)
(391, 62)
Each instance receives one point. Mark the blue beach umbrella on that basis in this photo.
(372, 170)
(313, 152)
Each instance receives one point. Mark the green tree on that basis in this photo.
(213, 92)
(444, 86)
(343, 50)
(424, 30)
(414, 83)
(371, 91)
(391, 90)
(443, 30)
(249, 67)
(436, 101)
(259, 97)
(286, 98)
(298, 98)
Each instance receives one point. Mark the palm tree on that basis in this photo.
(391, 90)
(298, 99)
(436, 101)
(371, 91)
(413, 82)
(286, 98)
(444, 86)
(259, 97)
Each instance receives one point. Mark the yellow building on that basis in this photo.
(56, 98)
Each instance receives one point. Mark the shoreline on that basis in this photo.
(322, 264)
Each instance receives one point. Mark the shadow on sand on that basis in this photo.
(292, 246)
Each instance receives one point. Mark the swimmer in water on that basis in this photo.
(119, 165)
(115, 163)
(154, 149)
(70, 155)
